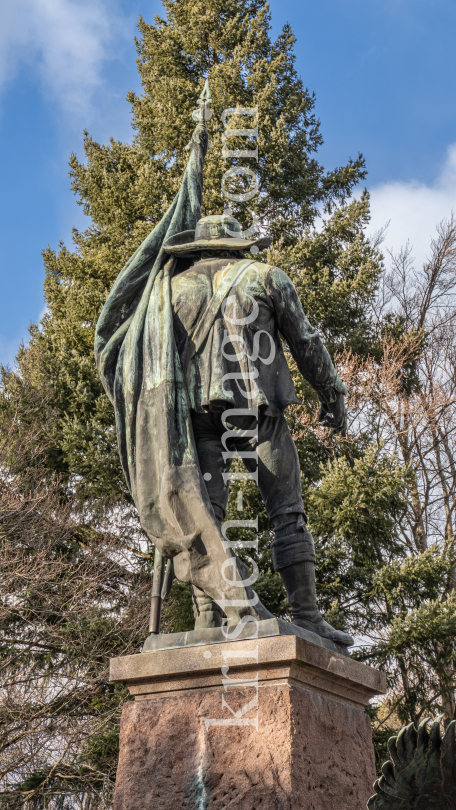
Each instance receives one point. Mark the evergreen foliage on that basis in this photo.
(125, 188)
(360, 495)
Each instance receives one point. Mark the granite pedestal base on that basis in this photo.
(272, 723)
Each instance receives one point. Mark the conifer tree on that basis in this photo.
(124, 188)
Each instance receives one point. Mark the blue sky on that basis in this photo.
(383, 72)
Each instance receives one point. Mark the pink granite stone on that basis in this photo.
(308, 753)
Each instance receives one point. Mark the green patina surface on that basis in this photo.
(156, 377)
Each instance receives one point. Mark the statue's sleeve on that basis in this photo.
(304, 341)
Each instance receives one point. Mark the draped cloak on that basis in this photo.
(141, 372)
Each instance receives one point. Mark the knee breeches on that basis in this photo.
(268, 452)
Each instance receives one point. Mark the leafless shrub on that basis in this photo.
(72, 595)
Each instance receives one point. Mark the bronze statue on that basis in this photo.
(188, 349)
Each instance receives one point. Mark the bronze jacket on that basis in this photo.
(242, 363)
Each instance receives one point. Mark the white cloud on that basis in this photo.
(65, 42)
(414, 209)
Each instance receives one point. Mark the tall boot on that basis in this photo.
(299, 582)
(205, 611)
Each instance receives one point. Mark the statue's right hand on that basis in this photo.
(334, 416)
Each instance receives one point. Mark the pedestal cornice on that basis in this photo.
(276, 660)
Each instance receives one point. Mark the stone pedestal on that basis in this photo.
(273, 723)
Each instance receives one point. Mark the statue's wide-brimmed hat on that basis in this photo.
(214, 233)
